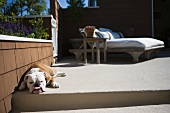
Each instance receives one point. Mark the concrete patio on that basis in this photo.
(119, 85)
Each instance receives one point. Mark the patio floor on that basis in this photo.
(118, 74)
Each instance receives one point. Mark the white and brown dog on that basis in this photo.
(38, 77)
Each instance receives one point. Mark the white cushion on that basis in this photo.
(145, 43)
(116, 35)
(111, 36)
(107, 35)
(94, 35)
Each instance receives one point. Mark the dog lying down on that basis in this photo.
(37, 77)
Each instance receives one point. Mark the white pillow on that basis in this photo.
(94, 35)
(116, 35)
(111, 36)
(107, 35)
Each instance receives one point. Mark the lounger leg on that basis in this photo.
(135, 55)
(147, 54)
(79, 56)
(105, 54)
(156, 52)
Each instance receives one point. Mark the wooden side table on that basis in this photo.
(92, 40)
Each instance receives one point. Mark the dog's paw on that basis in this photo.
(55, 85)
(61, 74)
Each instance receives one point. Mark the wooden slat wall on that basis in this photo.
(15, 59)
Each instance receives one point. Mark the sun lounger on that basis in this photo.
(134, 46)
(116, 42)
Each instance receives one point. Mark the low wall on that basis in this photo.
(16, 56)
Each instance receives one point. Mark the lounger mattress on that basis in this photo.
(133, 43)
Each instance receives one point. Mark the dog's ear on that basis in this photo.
(26, 77)
(40, 70)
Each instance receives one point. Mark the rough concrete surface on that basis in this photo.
(116, 75)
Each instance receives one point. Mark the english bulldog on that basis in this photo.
(37, 77)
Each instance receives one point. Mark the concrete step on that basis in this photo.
(164, 108)
(24, 101)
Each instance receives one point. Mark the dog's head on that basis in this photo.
(35, 81)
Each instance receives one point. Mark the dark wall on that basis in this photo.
(60, 34)
(131, 17)
(162, 18)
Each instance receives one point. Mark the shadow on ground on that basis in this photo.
(112, 59)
